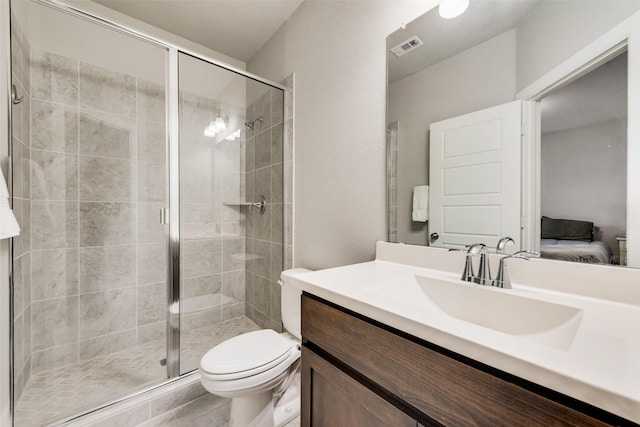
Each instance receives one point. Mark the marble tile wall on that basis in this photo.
(265, 169)
(288, 83)
(212, 227)
(392, 182)
(22, 255)
(90, 185)
(97, 182)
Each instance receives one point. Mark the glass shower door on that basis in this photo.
(96, 269)
(211, 228)
(89, 157)
(230, 251)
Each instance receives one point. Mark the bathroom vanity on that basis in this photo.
(383, 345)
(421, 382)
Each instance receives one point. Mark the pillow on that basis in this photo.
(566, 229)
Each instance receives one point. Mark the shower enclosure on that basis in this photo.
(139, 171)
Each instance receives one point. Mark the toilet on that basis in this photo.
(259, 370)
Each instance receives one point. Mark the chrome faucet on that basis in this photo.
(502, 279)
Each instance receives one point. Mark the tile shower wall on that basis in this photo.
(288, 83)
(392, 182)
(22, 256)
(265, 165)
(97, 184)
(212, 229)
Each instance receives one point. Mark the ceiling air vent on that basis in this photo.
(407, 46)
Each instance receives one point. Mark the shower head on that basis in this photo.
(251, 124)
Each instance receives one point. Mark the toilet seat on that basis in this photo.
(237, 357)
(253, 381)
(248, 385)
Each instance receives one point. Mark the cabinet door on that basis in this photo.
(332, 398)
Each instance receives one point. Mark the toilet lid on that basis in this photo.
(246, 352)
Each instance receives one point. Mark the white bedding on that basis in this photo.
(595, 252)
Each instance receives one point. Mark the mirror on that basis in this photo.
(493, 54)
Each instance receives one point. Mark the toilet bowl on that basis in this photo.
(258, 370)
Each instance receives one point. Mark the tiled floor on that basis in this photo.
(60, 393)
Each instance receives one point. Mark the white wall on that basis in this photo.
(337, 50)
(554, 30)
(478, 78)
(584, 175)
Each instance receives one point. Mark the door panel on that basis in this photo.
(475, 177)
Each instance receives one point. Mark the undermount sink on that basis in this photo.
(501, 310)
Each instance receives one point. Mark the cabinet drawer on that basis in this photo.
(434, 386)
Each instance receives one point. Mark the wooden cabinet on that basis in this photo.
(357, 372)
(339, 400)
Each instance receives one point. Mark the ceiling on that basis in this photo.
(237, 28)
(444, 38)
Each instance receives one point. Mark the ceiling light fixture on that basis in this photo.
(449, 9)
(220, 123)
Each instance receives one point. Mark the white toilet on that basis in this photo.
(259, 370)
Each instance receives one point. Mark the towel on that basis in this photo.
(420, 203)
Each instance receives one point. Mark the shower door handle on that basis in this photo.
(14, 96)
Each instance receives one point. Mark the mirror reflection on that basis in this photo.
(475, 154)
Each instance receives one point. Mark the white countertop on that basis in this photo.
(600, 366)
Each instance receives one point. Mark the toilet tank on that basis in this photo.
(290, 302)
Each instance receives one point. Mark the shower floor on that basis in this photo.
(57, 394)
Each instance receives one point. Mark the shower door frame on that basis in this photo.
(173, 180)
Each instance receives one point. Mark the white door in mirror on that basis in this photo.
(475, 177)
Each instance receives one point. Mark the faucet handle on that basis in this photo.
(502, 243)
(502, 279)
(525, 253)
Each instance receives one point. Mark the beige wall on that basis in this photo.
(584, 174)
(337, 52)
(544, 40)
